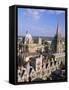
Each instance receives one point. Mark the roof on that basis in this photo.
(59, 54)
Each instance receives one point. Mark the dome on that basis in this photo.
(28, 38)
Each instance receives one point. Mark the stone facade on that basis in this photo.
(38, 64)
(43, 69)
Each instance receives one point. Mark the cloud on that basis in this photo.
(60, 12)
(55, 11)
(34, 13)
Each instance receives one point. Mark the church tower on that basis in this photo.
(56, 45)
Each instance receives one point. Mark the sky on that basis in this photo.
(40, 22)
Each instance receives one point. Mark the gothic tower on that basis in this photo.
(56, 45)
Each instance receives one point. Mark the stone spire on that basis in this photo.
(56, 44)
(58, 35)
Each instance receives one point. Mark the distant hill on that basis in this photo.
(44, 38)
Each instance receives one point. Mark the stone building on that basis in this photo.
(31, 46)
(57, 43)
(40, 65)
